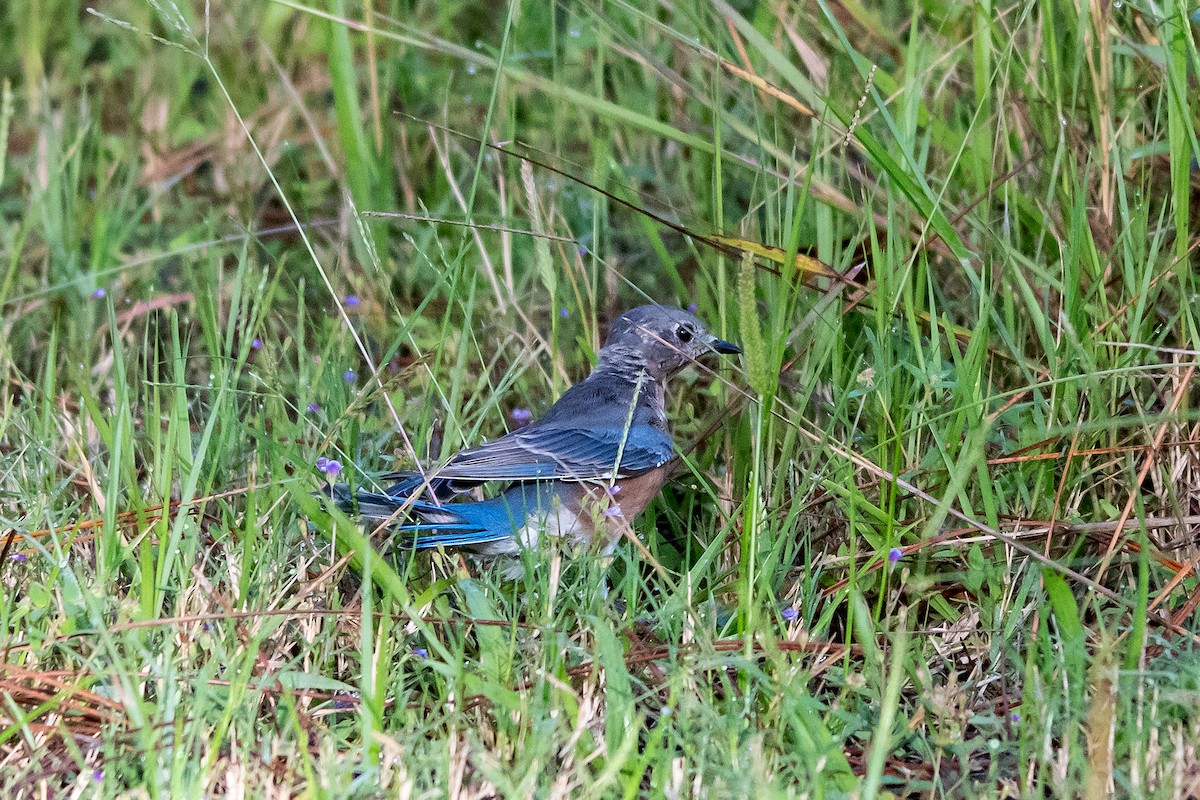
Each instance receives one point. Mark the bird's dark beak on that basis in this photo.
(726, 348)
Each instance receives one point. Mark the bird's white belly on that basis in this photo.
(557, 523)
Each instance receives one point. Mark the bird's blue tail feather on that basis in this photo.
(422, 525)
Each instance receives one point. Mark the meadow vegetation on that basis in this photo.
(931, 536)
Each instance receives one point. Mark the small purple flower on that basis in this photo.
(563, 312)
(100, 293)
(97, 774)
(614, 489)
(420, 652)
(583, 251)
(313, 408)
(521, 416)
(352, 301)
(691, 307)
(343, 702)
(612, 511)
(1015, 716)
(895, 554)
(20, 558)
(256, 343)
(349, 376)
(329, 466)
(789, 613)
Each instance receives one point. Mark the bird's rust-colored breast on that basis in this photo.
(614, 512)
(637, 492)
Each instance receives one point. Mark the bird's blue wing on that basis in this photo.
(559, 452)
(605, 419)
(406, 484)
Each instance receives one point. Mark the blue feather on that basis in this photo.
(424, 525)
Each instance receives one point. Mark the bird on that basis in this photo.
(580, 474)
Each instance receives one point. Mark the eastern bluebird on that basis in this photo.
(580, 474)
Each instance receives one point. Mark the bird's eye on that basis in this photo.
(684, 333)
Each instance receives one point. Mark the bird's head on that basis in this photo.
(660, 340)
